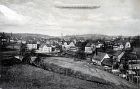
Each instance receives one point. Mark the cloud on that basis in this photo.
(114, 17)
(12, 16)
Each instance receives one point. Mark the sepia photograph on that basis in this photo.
(69, 44)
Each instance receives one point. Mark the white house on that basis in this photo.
(116, 48)
(99, 45)
(134, 66)
(71, 44)
(23, 41)
(127, 45)
(67, 45)
(89, 48)
(45, 48)
(32, 46)
(73, 48)
(119, 47)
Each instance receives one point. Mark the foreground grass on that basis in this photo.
(29, 77)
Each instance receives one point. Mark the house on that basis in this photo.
(127, 45)
(131, 72)
(45, 48)
(116, 71)
(118, 55)
(67, 44)
(107, 62)
(23, 41)
(57, 48)
(118, 47)
(121, 46)
(99, 45)
(75, 41)
(134, 66)
(89, 48)
(99, 57)
(48, 42)
(64, 45)
(19, 41)
(134, 61)
(12, 40)
(38, 42)
(73, 49)
(31, 46)
(71, 44)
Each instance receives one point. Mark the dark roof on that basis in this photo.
(99, 56)
(107, 62)
(117, 53)
(88, 44)
(55, 44)
(68, 42)
(78, 44)
(137, 50)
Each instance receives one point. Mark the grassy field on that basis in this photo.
(29, 77)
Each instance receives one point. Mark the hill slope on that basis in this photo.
(29, 77)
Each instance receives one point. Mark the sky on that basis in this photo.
(114, 17)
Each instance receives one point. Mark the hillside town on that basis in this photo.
(118, 55)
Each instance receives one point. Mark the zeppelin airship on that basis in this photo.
(75, 6)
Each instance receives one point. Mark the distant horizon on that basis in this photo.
(69, 34)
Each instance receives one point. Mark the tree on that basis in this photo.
(23, 49)
(4, 41)
(32, 52)
(26, 58)
(136, 41)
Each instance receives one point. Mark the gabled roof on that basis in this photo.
(99, 56)
(68, 42)
(88, 44)
(121, 55)
(107, 62)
